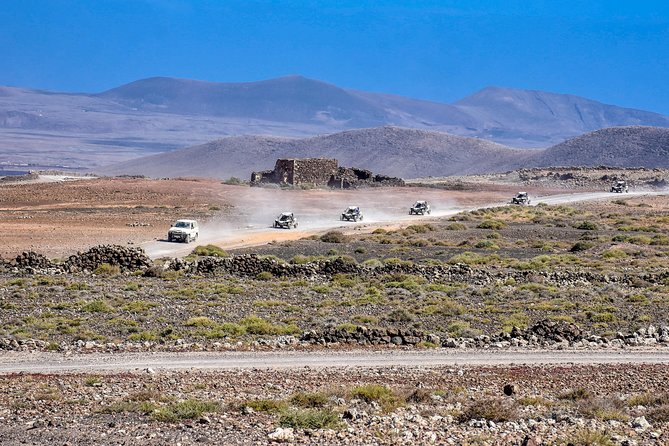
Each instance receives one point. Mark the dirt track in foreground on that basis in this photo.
(120, 362)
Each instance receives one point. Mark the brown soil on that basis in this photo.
(60, 218)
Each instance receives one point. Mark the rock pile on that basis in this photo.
(388, 336)
(557, 331)
(369, 336)
(251, 265)
(545, 333)
(127, 259)
(30, 259)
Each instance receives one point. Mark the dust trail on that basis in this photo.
(250, 222)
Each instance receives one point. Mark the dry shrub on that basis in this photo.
(493, 410)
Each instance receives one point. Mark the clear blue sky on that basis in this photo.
(612, 51)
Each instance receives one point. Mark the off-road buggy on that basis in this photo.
(420, 207)
(521, 198)
(352, 213)
(183, 231)
(286, 220)
(619, 187)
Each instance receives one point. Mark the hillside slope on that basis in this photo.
(407, 153)
(632, 146)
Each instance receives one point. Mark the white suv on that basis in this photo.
(183, 231)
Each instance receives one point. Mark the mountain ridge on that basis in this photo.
(159, 114)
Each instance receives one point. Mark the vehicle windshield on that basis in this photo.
(182, 224)
(419, 204)
(284, 217)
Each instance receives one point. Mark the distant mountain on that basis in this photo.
(520, 118)
(618, 146)
(407, 153)
(289, 99)
(511, 114)
(161, 114)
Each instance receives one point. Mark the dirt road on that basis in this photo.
(379, 209)
(96, 362)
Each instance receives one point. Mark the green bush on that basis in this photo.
(587, 226)
(310, 419)
(614, 253)
(486, 244)
(265, 275)
(590, 437)
(234, 181)
(184, 410)
(209, 251)
(105, 269)
(258, 326)
(382, 395)
(420, 229)
(640, 240)
(660, 240)
(309, 399)
(456, 227)
(581, 246)
(333, 237)
(269, 406)
(399, 315)
(96, 306)
(577, 394)
(491, 409)
(491, 224)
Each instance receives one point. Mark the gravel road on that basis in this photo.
(14, 362)
(257, 229)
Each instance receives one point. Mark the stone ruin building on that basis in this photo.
(320, 172)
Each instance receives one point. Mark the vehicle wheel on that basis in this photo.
(361, 218)
(428, 212)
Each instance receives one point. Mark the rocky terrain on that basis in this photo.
(564, 178)
(583, 276)
(517, 405)
(502, 277)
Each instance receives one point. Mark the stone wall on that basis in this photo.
(316, 171)
(320, 172)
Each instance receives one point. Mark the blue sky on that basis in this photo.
(613, 51)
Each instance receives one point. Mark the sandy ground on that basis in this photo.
(58, 218)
